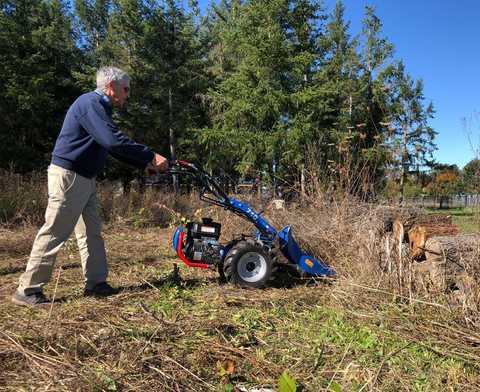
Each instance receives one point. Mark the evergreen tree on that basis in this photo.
(93, 16)
(371, 112)
(37, 58)
(327, 115)
(257, 60)
(157, 44)
(303, 130)
(255, 82)
(412, 139)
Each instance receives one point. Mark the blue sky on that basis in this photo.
(438, 41)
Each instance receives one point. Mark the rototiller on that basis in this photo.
(248, 261)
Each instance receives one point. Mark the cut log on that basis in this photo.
(456, 249)
(392, 254)
(419, 233)
(450, 262)
(408, 221)
(435, 219)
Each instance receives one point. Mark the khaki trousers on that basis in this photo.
(72, 206)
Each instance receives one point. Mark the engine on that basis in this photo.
(202, 242)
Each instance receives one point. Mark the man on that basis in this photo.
(87, 136)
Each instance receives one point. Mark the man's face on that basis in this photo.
(118, 92)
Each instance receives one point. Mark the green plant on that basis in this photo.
(286, 383)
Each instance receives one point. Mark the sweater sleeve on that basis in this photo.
(102, 129)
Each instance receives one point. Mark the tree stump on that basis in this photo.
(407, 222)
(450, 263)
(420, 233)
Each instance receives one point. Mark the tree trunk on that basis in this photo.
(302, 182)
(451, 262)
(172, 141)
(420, 232)
(403, 178)
(408, 217)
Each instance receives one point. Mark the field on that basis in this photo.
(172, 328)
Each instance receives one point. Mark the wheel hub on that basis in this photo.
(252, 267)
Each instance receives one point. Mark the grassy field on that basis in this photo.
(180, 330)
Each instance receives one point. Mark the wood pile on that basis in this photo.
(441, 259)
(418, 235)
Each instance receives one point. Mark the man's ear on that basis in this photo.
(110, 88)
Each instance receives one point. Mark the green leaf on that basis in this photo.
(228, 388)
(286, 383)
(335, 387)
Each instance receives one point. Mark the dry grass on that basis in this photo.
(23, 200)
(183, 331)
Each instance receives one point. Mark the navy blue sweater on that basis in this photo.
(88, 134)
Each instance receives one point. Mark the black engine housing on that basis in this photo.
(202, 242)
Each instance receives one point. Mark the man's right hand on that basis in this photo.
(158, 163)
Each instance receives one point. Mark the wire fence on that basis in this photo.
(456, 201)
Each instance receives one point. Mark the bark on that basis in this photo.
(405, 220)
(420, 233)
(451, 263)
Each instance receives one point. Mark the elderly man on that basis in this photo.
(88, 134)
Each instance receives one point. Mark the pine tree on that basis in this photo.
(256, 52)
(372, 114)
(37, 58)
(333, 93)
(157, 44)
(304, 116)
(93, 16)
(412, 141)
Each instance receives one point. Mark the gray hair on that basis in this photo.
(106, 75)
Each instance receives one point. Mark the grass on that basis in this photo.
(172, 328)
(183, 331)
(467, 219)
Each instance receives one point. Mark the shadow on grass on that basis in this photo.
(288, 279)
(283, 279)
(171, 280)
(13, 269)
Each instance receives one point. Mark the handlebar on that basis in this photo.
(205, 180)
(212, 193)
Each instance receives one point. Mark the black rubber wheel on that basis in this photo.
(248, 265)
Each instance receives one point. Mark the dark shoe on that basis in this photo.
(100, 290)
(34, 299)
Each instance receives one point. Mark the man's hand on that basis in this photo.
(158, 164)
